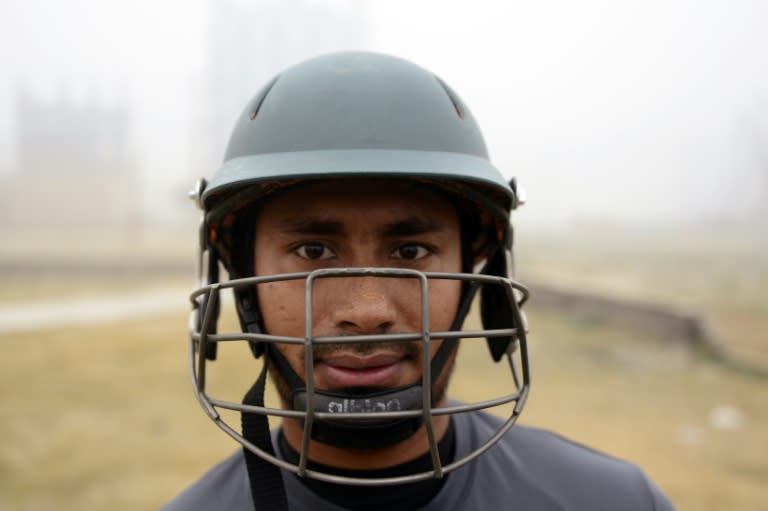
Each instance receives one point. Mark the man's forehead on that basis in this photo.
(393, 209)
(331, 200)
(368, 186)
(394, 225)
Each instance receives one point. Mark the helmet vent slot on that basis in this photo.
(260, 99)
(452, 97)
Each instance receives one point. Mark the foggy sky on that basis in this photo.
(636, 111)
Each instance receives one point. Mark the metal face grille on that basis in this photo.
(206, 302)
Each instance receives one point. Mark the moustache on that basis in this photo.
(406, 349)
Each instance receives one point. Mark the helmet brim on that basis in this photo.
(446, 167)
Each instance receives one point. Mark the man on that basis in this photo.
(359, 218)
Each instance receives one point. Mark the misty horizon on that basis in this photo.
(651, 114)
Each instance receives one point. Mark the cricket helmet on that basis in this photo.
(356, 115)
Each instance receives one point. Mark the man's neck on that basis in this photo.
(403, 497)
(366, 459)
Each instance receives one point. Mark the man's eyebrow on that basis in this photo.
(302, 225)
(411, 226)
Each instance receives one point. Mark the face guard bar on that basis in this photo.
(205, 306)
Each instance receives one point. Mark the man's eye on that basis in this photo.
(411, 252)
(314, 251)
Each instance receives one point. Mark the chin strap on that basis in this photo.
(267, 488)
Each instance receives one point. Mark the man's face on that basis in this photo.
(358, 224)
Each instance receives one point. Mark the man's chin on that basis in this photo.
(361, 391)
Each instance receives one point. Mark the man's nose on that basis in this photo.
(362, 305)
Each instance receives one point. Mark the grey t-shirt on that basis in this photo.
(529, 469)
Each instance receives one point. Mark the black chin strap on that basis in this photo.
(267, 489)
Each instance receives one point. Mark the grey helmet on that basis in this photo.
(345, 116)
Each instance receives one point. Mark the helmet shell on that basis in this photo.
(356, 114)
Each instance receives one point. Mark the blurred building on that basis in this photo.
(74, 166)
(81, 162)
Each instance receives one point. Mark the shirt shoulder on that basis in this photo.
(572, 472)
(224, 487)
(538, 470)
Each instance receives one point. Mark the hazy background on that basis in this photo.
(638, 129)
(623, 114)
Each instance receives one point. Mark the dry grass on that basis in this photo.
(103, 417)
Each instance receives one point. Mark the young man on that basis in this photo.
(358, 217)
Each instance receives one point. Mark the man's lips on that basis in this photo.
(352, 370)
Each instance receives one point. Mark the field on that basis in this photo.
(103, 416)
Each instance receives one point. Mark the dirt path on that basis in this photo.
(36, 315)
